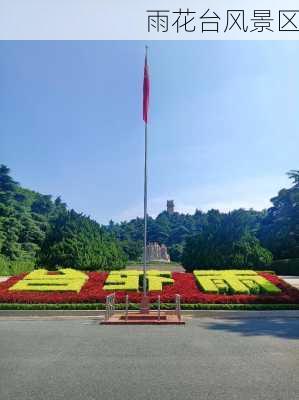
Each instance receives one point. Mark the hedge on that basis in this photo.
(288, 266)
(234, 281)
(66, 279)
(164, 306)
(184, 284)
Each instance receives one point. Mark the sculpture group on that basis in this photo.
(156, 252)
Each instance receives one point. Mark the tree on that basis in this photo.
(294, 175)
(226, 240)
(174, 229)
(75, 240)
(7, 184)
(279, 231)
(132, 249)
(175, 252)
(35, 228)
(11, 248)
(248, 252)
(43, 205)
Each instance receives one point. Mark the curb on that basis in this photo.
(52, 313)
(244, 314)
(99, 314)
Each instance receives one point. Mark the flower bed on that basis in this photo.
(184, 284)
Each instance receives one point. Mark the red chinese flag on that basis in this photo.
(146, 90)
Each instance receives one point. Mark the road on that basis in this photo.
(255, 359)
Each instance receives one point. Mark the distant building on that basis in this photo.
(170, 206)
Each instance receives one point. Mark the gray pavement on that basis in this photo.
(291, 280)
(207, 359)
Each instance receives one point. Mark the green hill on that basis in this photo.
(37, 230)
(238, 238)
(34, 229)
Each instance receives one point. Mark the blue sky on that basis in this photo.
(223, 123)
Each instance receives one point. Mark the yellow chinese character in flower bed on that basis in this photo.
(234, 282)
(157, 278)
(122, 280)
(40, 280)
(129, 280)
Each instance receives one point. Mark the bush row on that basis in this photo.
(184, 284)
(286, 267)
(10, 268)
(134, 306)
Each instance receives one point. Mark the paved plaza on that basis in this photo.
(247, 359)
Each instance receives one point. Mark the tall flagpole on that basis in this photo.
(145, 200)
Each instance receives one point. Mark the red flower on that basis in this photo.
(184, 284)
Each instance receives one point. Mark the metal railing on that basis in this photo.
(127, 307)
(159, 308)
(178, 306)
(110, 306)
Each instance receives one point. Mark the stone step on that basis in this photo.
(139, 316)
(144, 322)
(143, 319)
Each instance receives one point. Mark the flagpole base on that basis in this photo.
(145, 305)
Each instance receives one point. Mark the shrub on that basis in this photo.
(286, 267)
(223, 244)
(130, 280)
(9, 267)
(184, 284)
(65, 279)
(234, 282)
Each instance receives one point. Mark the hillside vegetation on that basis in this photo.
(37, 230)
(34, 229)
(215, 239)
